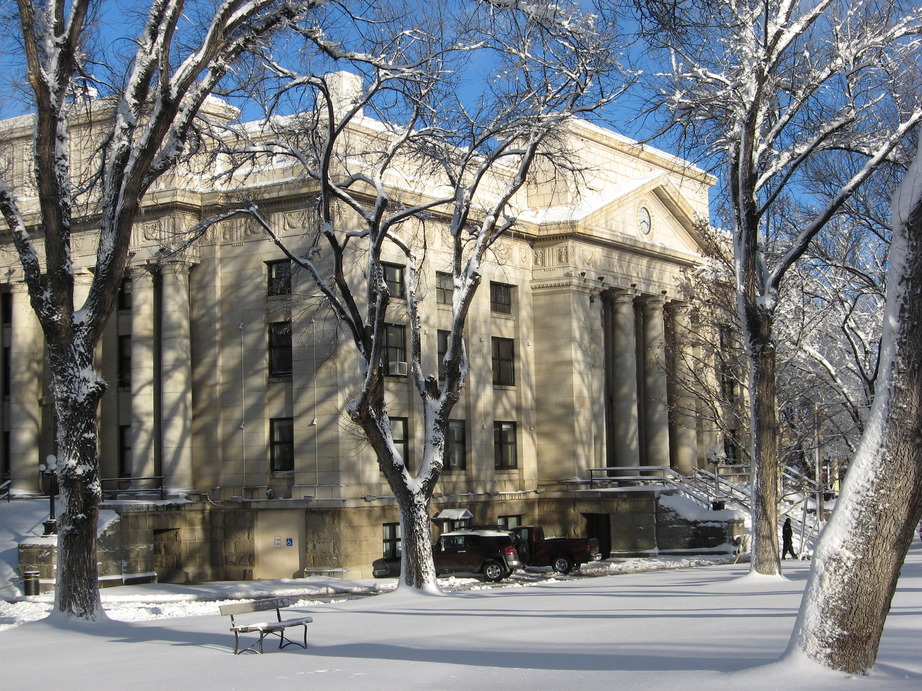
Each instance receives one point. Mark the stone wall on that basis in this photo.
(186, 542)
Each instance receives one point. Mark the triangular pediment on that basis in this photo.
(649, 209)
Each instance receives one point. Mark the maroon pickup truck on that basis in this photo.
(563, 553)
(487, 552)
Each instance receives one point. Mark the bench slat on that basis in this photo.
(255, 606)
(271, 625)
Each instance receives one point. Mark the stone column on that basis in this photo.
(176, 377)
(656, 410)
(683, 432)
(25, 415)
(624, 444)
(143, 385)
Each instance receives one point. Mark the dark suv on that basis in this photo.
(490, 553)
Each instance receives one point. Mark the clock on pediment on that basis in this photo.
(644, 220)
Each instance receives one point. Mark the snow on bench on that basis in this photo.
(264, 628)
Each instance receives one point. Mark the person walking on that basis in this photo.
(787, 539)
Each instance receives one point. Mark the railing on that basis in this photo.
(723, 488)
(5, 490)
(133, 487)
(795, 478)
(623, 476)
(706, 488)
(634, 476)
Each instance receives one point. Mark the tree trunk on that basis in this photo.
(417, 569)
(766, 556)
(857, 562)
(412, 494)
(77, 391)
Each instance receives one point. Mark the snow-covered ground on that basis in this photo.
(626, 627)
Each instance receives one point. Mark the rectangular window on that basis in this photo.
(501, 298)
(503, 362)
(452, 525)
(280, 349)
(442, 337)
(282, 444)
(279, 276)
(124, 295)
(401, 440)
(392, 546)
(393, 277)
(395, 350)
(504, 446)
(124, 450)
(509, 522)
(444, 288)
(6, 308)
(124, 362)
(456, 446)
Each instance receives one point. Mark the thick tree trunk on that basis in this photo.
(766, 556)
(417, 569)
(77, 392)
(857, 562)
(412, 493)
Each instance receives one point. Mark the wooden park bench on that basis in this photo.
(265, 628)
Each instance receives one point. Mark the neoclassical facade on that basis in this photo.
(223, 437)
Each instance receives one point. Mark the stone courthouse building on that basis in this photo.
(224, 446)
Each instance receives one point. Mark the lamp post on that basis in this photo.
(48, 469)
(715, 458)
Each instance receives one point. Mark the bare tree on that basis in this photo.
(765, 90)
(473, 140)
(151, 113)
(712, 372)
(857, 564)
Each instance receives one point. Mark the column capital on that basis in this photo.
(622, 296)
(140, 271)
(649, 302)
(176, 266)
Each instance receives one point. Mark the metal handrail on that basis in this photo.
(636, 473)
(155, 481)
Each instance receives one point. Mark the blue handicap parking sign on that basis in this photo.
(289, 542)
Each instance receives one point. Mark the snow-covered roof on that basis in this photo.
(453, 515)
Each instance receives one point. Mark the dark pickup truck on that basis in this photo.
(490, 553)
(563, 553)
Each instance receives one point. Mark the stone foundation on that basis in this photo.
(187, 542)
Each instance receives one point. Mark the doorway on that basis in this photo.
(598, 525)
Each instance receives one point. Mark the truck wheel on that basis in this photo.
(494, 571)
(562, 564)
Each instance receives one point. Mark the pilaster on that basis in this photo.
(143, 385)
(25, 414)
(176, 377)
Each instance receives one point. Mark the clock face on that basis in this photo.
(644, 220)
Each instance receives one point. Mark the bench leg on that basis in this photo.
(251, 648)
(284, 641)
